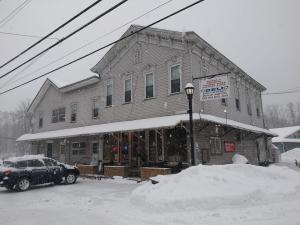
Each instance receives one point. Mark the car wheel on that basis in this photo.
(23, 184)
(70, 178)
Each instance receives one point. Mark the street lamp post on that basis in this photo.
(189, 90)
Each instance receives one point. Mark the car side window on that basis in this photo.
(48, 162)
(21, 164)
(35, 163)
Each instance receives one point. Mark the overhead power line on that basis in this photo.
(288, 91)
(68, 36)
(93, 41)
(105, 46)
(27, 35)
(52, 32)
(13, 13)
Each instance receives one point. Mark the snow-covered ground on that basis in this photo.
(291, 156)
(229, 194)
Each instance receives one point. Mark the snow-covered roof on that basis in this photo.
(284, 132)
(142, 124)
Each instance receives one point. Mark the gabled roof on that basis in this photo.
(284, 132)
(61, 86)
(171, 35)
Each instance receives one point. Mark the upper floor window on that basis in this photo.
(109, 94)
(248, 101)
(73, 112)
(95, 108)
(149, 85)
(175, 78)
(127, 90)
(237, 104)
(257, 112)
(58, 115)
(40, 119)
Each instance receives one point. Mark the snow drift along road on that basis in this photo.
(210, 187)
(291, 155)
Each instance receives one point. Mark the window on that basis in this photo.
(40, 119)
(95, 147)
(109, 94)
(175, 79)
(215, 146)
(78, 148)
(223, 101)
(50, 162)
(249, 109)
(35, 163)
(95, 108)
(149, 85)
(58, 115)
(127, 91)
(73, 112)
(257, 112)
(237, 104)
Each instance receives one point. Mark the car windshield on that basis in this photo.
(9, 164)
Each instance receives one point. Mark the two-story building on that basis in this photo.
(133, 113)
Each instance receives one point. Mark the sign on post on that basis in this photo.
(214, 88)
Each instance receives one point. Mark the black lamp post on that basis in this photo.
(189, 90)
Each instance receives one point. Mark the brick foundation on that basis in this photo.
(147, 172)
(87, 169)
(111, 171)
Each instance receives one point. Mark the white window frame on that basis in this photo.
(145, 91)
(79, 149)
(180, 77)
(109, 82)
(41, 116)
(131, 96)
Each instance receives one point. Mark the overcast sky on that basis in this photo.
(262, 37)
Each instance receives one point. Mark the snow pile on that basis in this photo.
(291, 155)
(210, 187)
(239, 159)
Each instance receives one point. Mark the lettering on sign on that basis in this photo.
(214, 88)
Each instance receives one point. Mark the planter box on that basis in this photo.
(87, 169)
(147, 172)
(111, 171)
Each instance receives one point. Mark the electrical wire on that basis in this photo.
(289, 91)
(66, 37)
(97, 39)
(13, 13)
(52, 32)
(105, 46)
(26, 35)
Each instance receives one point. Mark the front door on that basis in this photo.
(138, 152)
(49, 150)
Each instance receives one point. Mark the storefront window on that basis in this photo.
(176, 146)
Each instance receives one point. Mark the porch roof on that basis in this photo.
(142, 124)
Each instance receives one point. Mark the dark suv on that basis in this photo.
(19, 173)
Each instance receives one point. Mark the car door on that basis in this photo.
(54, 169)
(39, 172)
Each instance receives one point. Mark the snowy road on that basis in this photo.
(108, 202)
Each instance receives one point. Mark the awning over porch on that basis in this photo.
(135, 125)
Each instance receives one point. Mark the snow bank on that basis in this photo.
(239, 159)
(291, 155)
(210, 187)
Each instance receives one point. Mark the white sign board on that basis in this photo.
(214, 88)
